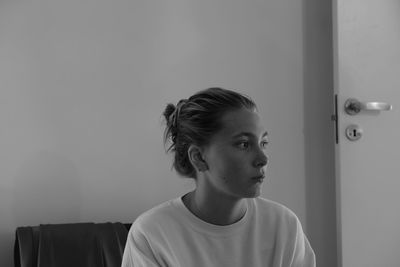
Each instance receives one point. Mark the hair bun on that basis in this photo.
(169, 110)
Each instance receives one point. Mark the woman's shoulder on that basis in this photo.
(274, 210)
(157, 216)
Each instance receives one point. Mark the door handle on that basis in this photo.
(352, 106)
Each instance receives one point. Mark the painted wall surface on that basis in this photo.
(83, 85)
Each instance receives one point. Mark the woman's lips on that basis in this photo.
(259, 179)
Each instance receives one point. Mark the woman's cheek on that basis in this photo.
(236, 165)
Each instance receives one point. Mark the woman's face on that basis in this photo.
(236, 156)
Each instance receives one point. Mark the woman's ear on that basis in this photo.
(196, 157)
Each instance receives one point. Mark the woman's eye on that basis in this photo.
(243, 145)
(247, 144)
(264, 144)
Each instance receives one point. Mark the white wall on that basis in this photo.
(83, 85)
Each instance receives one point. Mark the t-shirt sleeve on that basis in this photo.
(138, 252)
(303, 254)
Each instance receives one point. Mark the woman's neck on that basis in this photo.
(215, 209)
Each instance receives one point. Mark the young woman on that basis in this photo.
(218, 140)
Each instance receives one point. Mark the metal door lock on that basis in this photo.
(353, 132)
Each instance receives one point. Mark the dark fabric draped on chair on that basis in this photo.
(75, 244)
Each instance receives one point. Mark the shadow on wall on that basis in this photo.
(318, 130)
(46, 190)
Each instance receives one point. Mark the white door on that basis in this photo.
(367, 67)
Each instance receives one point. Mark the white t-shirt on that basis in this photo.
(269, 235)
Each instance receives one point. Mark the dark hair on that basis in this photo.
(196, 120)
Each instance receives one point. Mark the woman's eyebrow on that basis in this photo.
(248, 134)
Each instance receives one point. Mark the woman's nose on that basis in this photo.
(261, 160)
